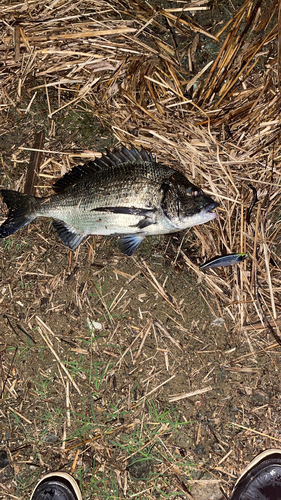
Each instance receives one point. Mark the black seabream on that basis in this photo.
(124, 193)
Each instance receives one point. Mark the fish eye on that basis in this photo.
(192, 192)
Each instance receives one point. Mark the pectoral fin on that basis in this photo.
(144, 223)
(129, 243)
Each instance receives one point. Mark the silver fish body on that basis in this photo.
(125, 193)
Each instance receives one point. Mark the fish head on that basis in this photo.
(187, 205)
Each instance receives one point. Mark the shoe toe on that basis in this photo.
(261, 482)
(57, 487)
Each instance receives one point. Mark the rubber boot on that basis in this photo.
(261, 480)
(56, 486)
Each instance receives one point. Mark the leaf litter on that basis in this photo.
(134, 67)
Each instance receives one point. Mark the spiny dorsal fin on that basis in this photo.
(72, 177)
(108, 159)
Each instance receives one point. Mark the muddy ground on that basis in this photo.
(101, 353)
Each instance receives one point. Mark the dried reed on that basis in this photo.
(219, 125)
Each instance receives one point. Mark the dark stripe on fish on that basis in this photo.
(142, 212)
(224, 260)
(147, 213)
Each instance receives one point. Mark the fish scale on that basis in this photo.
(125, 193)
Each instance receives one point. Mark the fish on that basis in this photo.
(125, 193)
(224, 260)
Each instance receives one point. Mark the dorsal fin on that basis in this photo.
(70, 178)
(108, 159)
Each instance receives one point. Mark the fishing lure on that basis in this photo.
(224, 260)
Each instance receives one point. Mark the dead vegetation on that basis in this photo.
(220, 126)
(133, 66)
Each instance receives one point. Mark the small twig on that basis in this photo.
(158, 287)
(155, 389)
(34, 165)
(45, 338)
(73, 467)
(20, 415)
(128, 348)
(102, 301)
(8, 374)
(253, 202)
(46, 326)
(263, 315)
(25, 332)
(17, 42)
(67, 402)
(254, 431)
(189, 394)
(143, 340)
(11, 325)
(168, 335)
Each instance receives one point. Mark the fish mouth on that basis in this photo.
(211, 206)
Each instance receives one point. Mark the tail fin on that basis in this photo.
(21, 211)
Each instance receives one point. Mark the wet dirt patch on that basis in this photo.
(144, 374)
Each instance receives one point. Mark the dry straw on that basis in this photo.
(220, 125)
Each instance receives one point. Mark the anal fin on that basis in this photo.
(130, 242)
(69, 236)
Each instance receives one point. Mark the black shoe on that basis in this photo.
(261, 480)
(57, 486)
